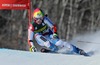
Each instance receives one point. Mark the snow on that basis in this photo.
(17, 57)
(90, 41)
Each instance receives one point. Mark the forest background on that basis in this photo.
(72, 17)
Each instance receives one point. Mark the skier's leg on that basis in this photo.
(75, 49)
(61, 44)
(42, 41)
(79, 51)
(69, 47)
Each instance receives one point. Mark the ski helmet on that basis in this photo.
(38, 13)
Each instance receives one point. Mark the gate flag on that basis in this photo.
(14, 4)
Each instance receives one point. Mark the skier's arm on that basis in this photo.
(50, 24)
(30, 38)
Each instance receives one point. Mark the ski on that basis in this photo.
(88, 54)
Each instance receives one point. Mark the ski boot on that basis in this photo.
(81, 52)
(43, 50)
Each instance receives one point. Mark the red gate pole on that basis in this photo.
(30, 17)
(29, 12)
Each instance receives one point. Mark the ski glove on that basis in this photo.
(32, 49)
(55, 35)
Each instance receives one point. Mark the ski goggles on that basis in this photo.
(38, 18)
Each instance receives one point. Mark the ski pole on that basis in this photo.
(88, 42)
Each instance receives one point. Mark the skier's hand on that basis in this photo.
(32, 49)
(55, 35)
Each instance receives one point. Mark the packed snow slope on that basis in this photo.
(16, 57)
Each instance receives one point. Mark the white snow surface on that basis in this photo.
(17, 57)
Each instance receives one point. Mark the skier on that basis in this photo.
(44, 32)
